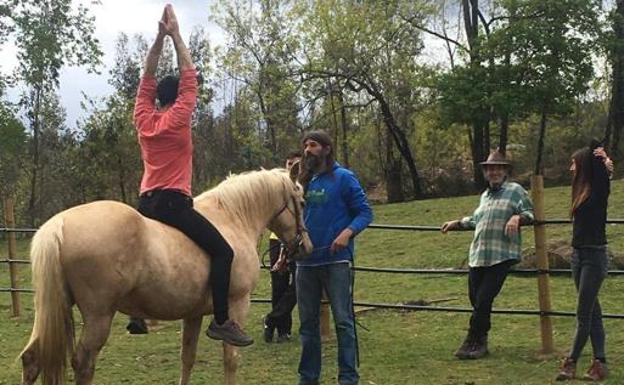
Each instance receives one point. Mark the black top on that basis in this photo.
(590, 217)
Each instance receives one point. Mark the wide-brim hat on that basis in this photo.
(496, 158)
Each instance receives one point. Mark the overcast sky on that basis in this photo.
(138, 17)
(112, 18)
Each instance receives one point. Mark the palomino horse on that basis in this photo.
(105, 257)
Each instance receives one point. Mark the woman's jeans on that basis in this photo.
(589, 269)
(336, 280)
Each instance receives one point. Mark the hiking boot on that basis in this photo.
(478, 348)
(567, 370)
(267, 331)
(282, 338)
(137, 326)
(598, 371)
(228, 332)
(462, 352)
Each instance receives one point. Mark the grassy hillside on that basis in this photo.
(396, 347)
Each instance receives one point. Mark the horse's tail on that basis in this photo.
(53, 331)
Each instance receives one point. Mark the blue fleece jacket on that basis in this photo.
(334, 201)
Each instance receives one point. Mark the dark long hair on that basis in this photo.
(324, 140)
(582, 177)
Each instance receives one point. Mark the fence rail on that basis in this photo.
(542, 271)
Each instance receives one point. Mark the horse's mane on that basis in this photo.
(248, 194)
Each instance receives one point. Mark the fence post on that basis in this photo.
(9, 217)
(543, 279)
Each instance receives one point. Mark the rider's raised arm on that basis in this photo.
(180, 113)
(146, 95)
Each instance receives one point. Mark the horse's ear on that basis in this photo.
(294, 171)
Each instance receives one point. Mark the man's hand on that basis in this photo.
(512, 226)
(169, 22)
(341, 241)
(281, 263)
(450, 225)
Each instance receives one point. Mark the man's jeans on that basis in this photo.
(336, 280)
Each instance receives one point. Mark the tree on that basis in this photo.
(551, 57)
(259, 55)
(615, 50)
(371, 49)
(12, 150)
(534, 59)
(49, 34)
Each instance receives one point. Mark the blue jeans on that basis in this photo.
(336, 280)
(589, 269)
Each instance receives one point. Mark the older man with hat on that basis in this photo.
(503, 207)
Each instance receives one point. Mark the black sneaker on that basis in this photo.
(267, 331)
(229, 332)
(282, 338)
(137, 326)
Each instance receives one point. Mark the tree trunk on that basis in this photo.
(486, 137)
(35, 166)
(615, 122)
(122, 178)
(400, 140)
(345, 129)
(539, 168)
(478, 154)
(394, 180)
(503, 128)
(332, 105)
(470, 9)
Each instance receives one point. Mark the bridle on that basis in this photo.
(293, 245)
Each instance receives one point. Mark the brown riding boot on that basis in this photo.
(479, 348)
(598, 371)
(462, 352)
(567, 370)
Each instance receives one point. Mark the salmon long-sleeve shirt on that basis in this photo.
(165, 136)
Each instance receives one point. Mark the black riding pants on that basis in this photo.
(283, 293)
(176, 209)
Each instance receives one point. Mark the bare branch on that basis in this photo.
(434, 33)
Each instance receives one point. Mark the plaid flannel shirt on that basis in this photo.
(490, 245)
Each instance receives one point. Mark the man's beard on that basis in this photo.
(313, 162)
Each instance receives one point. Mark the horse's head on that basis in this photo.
(287, 223)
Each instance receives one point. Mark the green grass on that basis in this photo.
(398, 347)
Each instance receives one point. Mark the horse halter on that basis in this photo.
(294, 244)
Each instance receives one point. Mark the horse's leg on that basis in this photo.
(230, 363)
(190, 336)
(238, 312)
(95, 331)
(30, 365)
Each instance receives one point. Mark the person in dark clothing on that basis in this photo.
(591, 169)
(283, 292)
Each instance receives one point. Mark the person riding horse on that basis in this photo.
(167, 151)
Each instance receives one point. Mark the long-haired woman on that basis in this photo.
(591, 169)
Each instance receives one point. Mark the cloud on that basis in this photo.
(113, 17)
